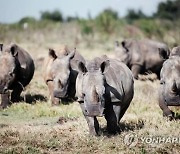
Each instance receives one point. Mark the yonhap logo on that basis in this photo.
(132, 139)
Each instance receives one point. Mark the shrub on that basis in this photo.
(106, 21)
(54, 16)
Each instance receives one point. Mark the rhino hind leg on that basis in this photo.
(5, 101)
(112, 115)
(136, 69)
(92, 122)
(15, 95)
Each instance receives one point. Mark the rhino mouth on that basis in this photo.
(60, 94)
(94, 110)
(175, 101)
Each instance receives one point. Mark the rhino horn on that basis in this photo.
(95, 95)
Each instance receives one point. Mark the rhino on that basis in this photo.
(142, 56)
(169, 91)
(104, 87)
(61, 73)
(16, 71)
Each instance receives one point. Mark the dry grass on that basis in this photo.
(37, 127)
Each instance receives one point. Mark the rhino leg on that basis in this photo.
(112, 113)
(136, 69)
(166, 111)
(123, 110)
(54, 101)
(5, 100)
(15, 95)
(92, 122)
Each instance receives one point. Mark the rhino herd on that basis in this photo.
(103, 86)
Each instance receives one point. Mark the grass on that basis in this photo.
(41, 128)
(38, 127)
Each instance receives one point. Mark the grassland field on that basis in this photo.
(34, 126)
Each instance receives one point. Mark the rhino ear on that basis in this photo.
(163, 53)
(82, 68)
(1, 47)
(13, 50)
(123, 43)
(52, 53)
(71, 54)
(104, 66)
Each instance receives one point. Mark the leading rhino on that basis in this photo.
(169, 91)
(104, 87)
(142, 56)
(16, 71)
(60, 74)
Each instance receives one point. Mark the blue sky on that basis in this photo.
(13, 10)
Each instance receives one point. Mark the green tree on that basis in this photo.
(168, 10)
(134, 15)
(53, 16)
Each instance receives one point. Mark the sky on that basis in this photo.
(14, 10)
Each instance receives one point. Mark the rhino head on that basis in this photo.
(122, 51)
(8, 67)
(93, 87)
(170, 81)
(60, 73)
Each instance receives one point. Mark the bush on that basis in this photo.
(106, 21)
(27, 20)
(53, 16)
(86, 27)
(150, 27)
(134, 15)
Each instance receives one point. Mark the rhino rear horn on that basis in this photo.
(1, 47)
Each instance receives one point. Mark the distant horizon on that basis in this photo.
(13, 11)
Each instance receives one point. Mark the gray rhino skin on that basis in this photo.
(104, 87)
(142, 56)
(61, 75)
(169, 91)
(16, 71)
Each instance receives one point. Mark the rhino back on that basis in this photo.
(150, 53)
(119, 81)
(27, 66)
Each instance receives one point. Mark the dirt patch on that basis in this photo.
(63, 120)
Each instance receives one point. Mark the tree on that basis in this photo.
(134, 15)
(54, 16)
(168, 10)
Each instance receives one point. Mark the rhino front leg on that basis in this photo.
(136, 69)
(92, 122)
(54, 101)
(166, 111)
(5, 100)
